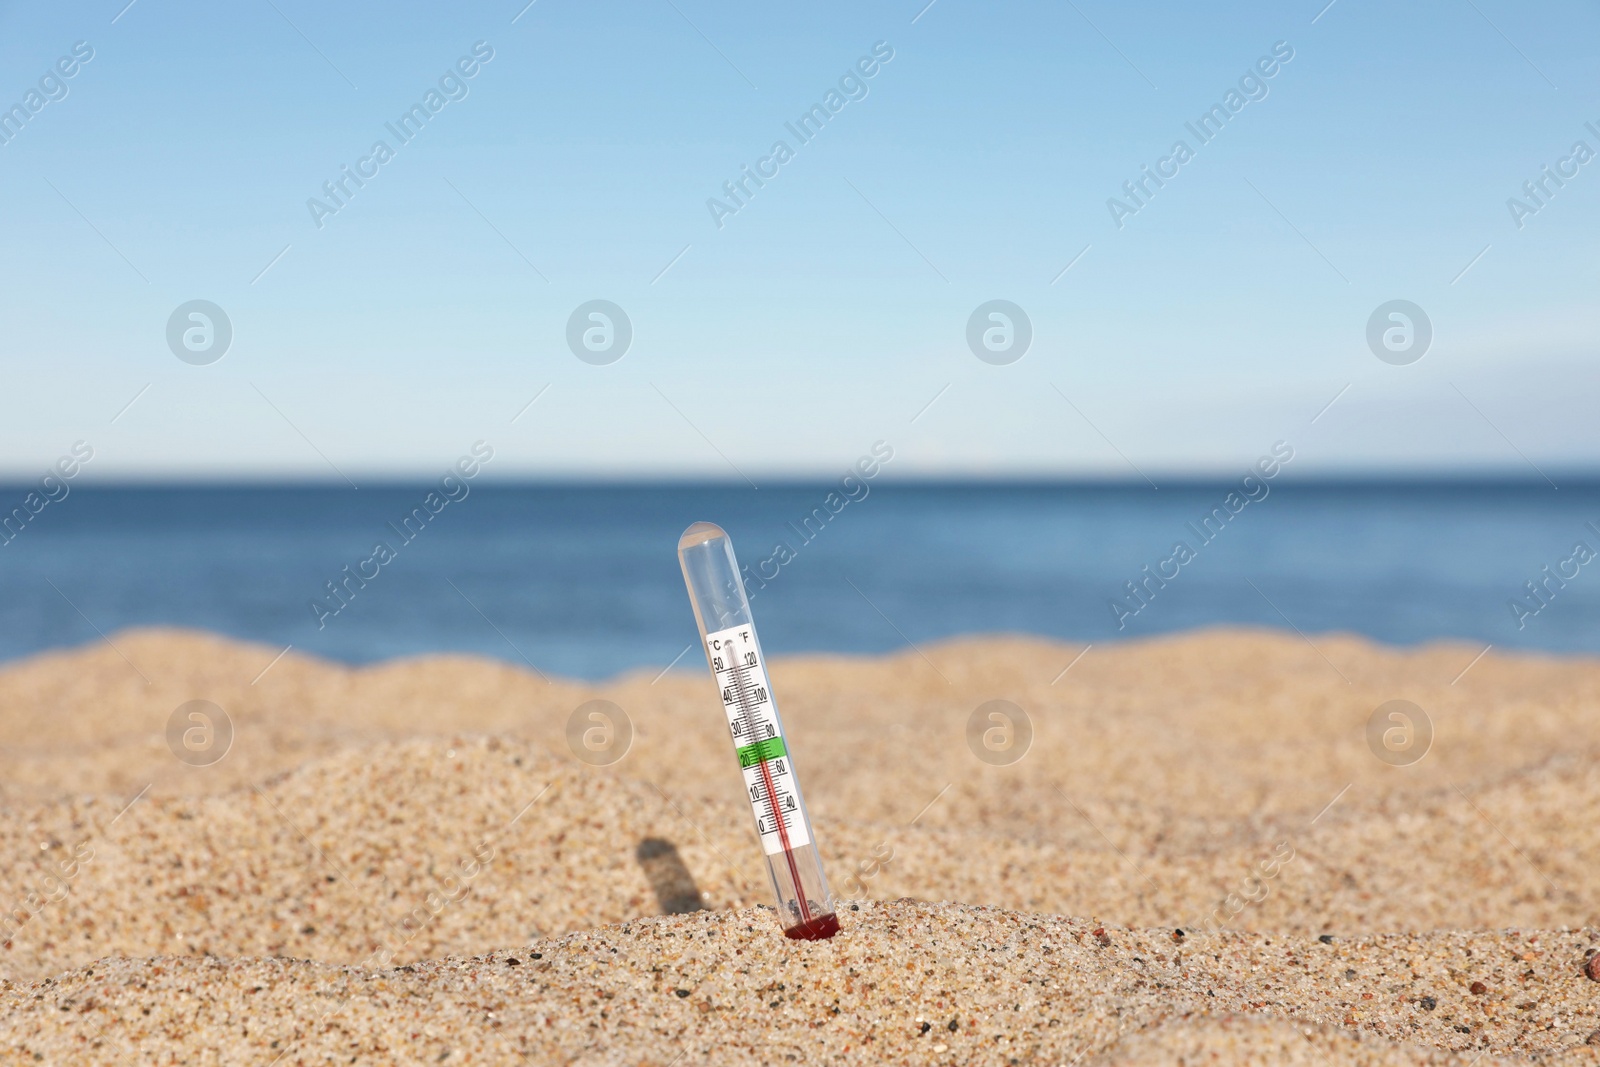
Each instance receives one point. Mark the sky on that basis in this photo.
(1185, 328)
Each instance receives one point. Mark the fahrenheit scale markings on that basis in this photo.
(768, 777)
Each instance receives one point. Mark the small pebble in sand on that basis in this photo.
(1427, 1003)
(1326, 939)
(1592, 969)
(1478, 989)
(1592, 1039)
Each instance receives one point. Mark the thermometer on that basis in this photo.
(805, 907)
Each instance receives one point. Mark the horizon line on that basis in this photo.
(1571, 477)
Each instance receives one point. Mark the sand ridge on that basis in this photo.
(432, 810)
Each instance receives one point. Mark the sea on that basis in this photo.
(582, 580)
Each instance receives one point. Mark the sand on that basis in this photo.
(406, 863)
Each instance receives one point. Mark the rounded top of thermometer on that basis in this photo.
(712, 574)
(699, 534)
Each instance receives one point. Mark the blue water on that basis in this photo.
(583, 581)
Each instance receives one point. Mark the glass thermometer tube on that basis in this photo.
(805, 907)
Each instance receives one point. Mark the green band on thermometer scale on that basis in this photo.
(771, 748)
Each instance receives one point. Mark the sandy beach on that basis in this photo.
(1200, 857)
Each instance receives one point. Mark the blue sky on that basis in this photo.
(832, 308)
